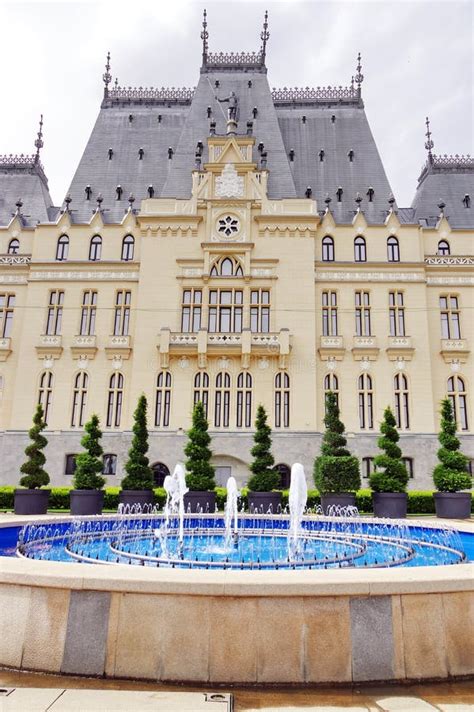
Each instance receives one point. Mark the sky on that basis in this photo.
(417, 56)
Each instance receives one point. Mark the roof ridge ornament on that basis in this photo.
(204, 37)
(359, 77)
(264, 36)
(429, 143)
(107, 77)
(39, 141)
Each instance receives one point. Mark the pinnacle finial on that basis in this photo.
(264, 36)
(359, 77)
(204, 37)
(107, 77)
(429, 143)
(39, 141)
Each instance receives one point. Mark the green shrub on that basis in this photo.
(451, 474)
(34, 474)
(335, 470)
(89, 463)
(200, 474)
(394, 476)
(264, 478)
(139, 475)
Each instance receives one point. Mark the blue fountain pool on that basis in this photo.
(260, 543)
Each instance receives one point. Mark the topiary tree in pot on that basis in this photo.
(87, 497)
(336, 471)
(137, 485)
(390, 479)
(450, 475)
(200, 474)
(261, 498)
(33, 499)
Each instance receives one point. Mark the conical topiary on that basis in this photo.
(89, 463)
(200, 474)
(451, 474)
(139, 474)
(335, 470)
(392, 475)
(265, 478)
(35, 476)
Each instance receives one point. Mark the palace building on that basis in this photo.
(238, 245)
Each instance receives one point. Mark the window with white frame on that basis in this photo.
(45, 394)
(123, 300)
(244, 400)
(331, 385)
(115, 400)
(62, 248)
(128, 244)
(191, 310)
(163, 399)
(260, 311)
(396, 310)
(362, 314)
(7, 304)
(366, 401)
(402, 407)
(450, 316)
(95, 248)
(222, 400)
(457, 394)
(79, 398)
(55, 313)
(88, 313)
(201, 390)
(225, 310)
(282, 400)
(329, 313)
(360, 250)
(328, 249)
(393, 249)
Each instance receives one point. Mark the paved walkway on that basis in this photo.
(46, 693)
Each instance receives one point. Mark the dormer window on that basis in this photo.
(127, 248)
(370, 194)
(339, 193)
(118, 192)
(393, 249)
(350, 155)
(14, 246)
(88, 192)
(95, 248)
(150, 191)
(467, 201)
(141, 153)
(321, 155)
(443, 248)
(62, 248)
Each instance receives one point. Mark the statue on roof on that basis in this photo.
(233, 110)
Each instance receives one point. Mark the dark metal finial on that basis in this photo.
(131, 199)
(358, 199)
(107, 77)
(68, 201)
(327, 200)
(204, 37)
(19, 205)
(99, 200)
(116, 83)
(359, 77)
(39, 141)
(264, 36)
(391, 200)
(429, 143)
(441, 206)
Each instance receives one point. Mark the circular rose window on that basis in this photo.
(228, 226)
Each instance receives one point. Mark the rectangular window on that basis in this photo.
(225, 310)
(367, 466)
(409, 464)
(123, 300)
(362, 314)
(260, 311)
(88, 313)
(396, 313)
(7, 303)
(450, 316)
(329, 313)
(191, 310)
(55, 313)
(70, 466)
(110, 464)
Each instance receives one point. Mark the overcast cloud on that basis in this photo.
(417, 61)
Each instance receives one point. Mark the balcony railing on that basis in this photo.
(455, 349)
(400, 347)
(50, 345)
(84, 345)
(119, 346)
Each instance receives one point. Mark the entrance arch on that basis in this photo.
(160, 471)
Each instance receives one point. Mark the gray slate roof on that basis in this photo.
(448, 186)
(29, 184)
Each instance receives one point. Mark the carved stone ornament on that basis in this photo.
(263, 364)
(83, 361)
(183, 362)
(223, 363)
(48, 362)
(117, 362)
(331, 363)
(229, 184)
(455, 365)
(400, 364)
(365, 363)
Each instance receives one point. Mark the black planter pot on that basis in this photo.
(264, 502)
(391, 505)
(31, 501)
(453, 505)
(197, 502)
(142, 498)
(86, 501)
(337, 499)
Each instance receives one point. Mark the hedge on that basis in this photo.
(418, 502)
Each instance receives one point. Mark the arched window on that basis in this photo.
(366, 402)
(79, 398)
(163, 399)
(282, 400)
(331, 384)
(402, 410)
(201, 390)
(222, 400)
(393, 249)
(328, 249)
(227, 267)
(360, 252)
(95, 249)
(128, 244)
(443, 248)
(244, 400)
(457, 394)
(115, 400)
(45, 393)
(14, 246)
(62, 248)
(160, 471)
(285, 475)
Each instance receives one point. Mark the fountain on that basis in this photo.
(231, 511)
(297, 500)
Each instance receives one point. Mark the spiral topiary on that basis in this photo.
(451, 474)
(35, 476)
(89, 463)
(265, 478)
(393, 475)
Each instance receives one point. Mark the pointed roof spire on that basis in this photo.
(359, 77)
(107, 77)
(429, 143)
(264, 36)
(204, 37)
(39, 141)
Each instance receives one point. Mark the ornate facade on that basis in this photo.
(237, 256)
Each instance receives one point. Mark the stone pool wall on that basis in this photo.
(300, 627)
